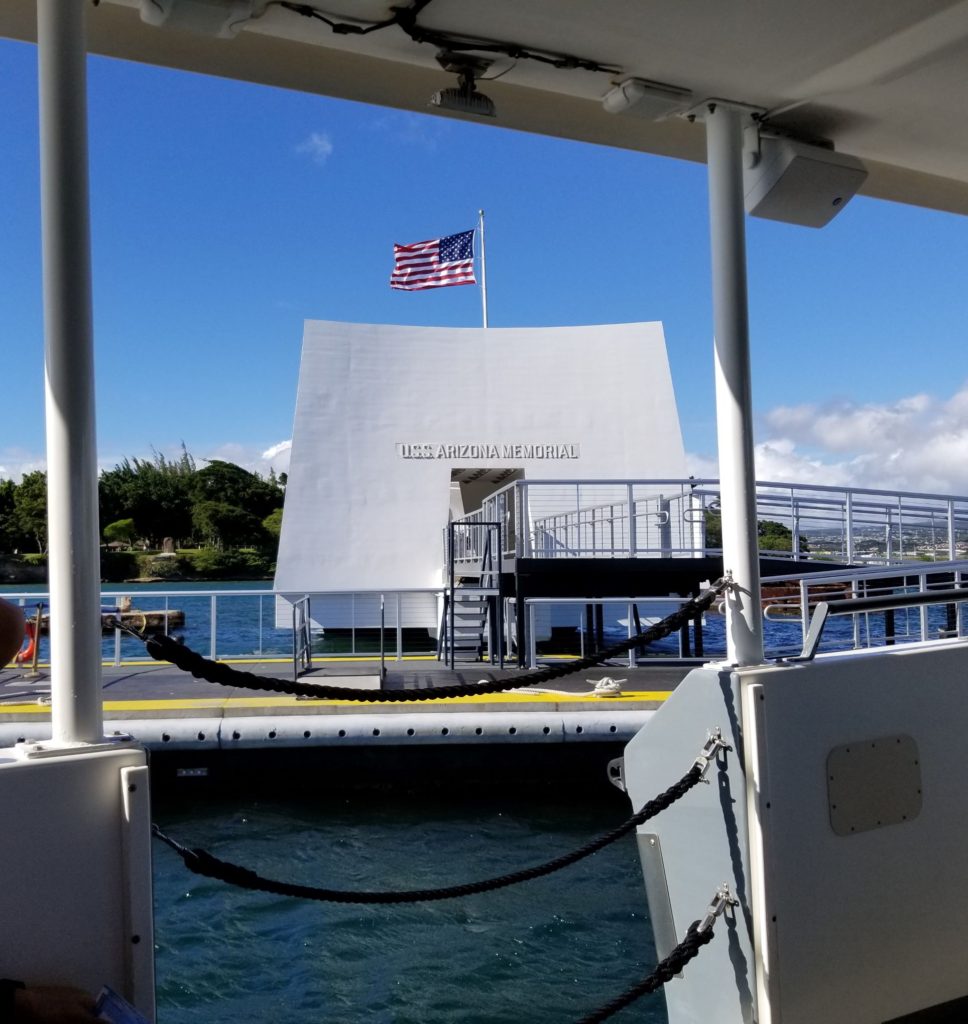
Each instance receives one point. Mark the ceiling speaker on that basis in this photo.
(800, 183)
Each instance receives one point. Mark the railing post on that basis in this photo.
(523, 545)
(213, 618)
(923, 587)
(630, 632)
(499, 631)
(631, 503)
(450, 603)
(952, 546)
(532, 643)
(383, 661)
(308, 629)
(849, 512)
(665, 527)
(399, 627)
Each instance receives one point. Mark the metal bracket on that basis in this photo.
(722, 899)
(616, 773)
(31, 750)
(707, 755)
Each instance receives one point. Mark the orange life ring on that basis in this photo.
(27, 653)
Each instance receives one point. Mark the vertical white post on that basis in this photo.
(952, 546)
(75, 594)
(849, 514)
(480, 228)
(734, 418)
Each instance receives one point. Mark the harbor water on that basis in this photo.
(549, 950)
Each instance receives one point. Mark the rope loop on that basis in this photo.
(162, 647)
(665, 970)
(202, 862)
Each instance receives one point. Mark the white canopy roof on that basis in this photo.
(882, 81)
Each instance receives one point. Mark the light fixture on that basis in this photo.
(650, 101)
(465, 99)
(222, 18)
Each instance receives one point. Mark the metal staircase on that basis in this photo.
(472, 616)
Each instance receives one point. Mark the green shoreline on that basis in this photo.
(216, 567)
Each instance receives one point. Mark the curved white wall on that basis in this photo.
(384, 413)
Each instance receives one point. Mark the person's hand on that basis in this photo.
(53, 1004)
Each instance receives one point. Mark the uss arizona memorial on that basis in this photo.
(400, 430)
(407, 440)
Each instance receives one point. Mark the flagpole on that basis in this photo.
(480, 214)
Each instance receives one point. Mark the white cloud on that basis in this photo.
(318, 146)
(14, 462)
(256, 460)
(918, 443)
(278, 456)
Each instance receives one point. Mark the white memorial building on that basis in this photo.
(397, 429)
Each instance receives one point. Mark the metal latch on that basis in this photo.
(713, 745)
(722, 899)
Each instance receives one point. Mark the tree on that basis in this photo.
(121, 531)
(9, 531)
(156, 494)
(232, 485)
(771, 535)
(227, 526)
(30, 508)
(774, 536)
(272, 523)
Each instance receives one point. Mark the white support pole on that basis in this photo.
(480, 228)
(734, 418)
(75, 595)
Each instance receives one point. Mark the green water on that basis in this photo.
(550, 950)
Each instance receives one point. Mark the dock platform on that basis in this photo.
(195, 728)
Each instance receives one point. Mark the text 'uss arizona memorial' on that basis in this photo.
(432, 450)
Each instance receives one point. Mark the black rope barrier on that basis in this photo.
(162, 647)
(696, 937)
(201, 862)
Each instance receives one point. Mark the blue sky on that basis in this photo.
(224, 214)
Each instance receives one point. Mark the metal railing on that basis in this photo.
(245, 624)
(474, 550)
(795, 597)
(673, 517)
(632, 622)
(951, 598)
(302, 637)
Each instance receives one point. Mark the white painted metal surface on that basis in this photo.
(860, 75)
(849, 928)
(734, 405)
(76, 898)
(387, 729)
(69, 364)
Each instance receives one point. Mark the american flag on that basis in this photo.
(434, 264)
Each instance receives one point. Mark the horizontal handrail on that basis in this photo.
(862, 605)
